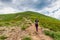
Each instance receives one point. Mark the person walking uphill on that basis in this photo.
(36, 24)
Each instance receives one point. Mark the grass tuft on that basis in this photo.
(26, 38)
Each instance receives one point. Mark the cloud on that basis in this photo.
(6, 1)
(6, 10)
(22, 4)
(53, 10)
(47, 7)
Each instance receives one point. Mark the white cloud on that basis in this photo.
(53, 10)
(6, 10)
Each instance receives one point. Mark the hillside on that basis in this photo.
(19, 20)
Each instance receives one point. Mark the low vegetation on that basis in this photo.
(17, 19)
(26, 38)
(23, 27)
(55, 35)
(3, 37)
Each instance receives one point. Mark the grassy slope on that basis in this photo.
(44, 21)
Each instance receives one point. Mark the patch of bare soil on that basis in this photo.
(15, 33)
(37, 35)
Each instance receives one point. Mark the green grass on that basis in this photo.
(17, 19)
(26, 38)
(23, 27)
(3, 37)
(54, 35)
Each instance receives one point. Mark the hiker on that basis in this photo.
(36, 24)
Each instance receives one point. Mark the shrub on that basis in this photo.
(23, 27)
(54, 35)
(3, 37)
(26, 38)
(49, 33)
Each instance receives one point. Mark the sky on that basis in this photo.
(47, 7)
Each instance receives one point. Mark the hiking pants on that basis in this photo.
(36, 25)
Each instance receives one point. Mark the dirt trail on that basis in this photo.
(37, 35)
(15, 33)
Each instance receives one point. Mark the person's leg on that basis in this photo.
(37, 27)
